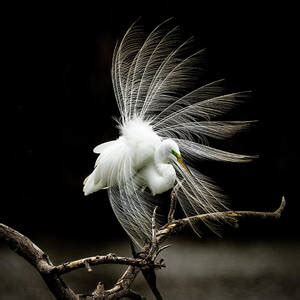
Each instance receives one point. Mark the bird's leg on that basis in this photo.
(173, 203)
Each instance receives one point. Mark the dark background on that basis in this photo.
(58, 74)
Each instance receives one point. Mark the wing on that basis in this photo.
(112, 167)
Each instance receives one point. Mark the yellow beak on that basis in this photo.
(180, 161)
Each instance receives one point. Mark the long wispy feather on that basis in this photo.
(133, 207)
(196, 151)
(200, 130)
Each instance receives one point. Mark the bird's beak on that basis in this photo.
(180, 161)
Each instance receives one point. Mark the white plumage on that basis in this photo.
(167, 111)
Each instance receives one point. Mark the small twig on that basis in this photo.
(160, 250)
(87, 265)
(123, 284)
(154, 230)
(173, 203)
(153, 224)
(98, 292)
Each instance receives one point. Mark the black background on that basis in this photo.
(58, 76)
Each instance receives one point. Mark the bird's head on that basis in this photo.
(170, 151)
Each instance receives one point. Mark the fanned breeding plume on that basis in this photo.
(168, 112)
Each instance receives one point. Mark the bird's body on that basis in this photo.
(145, 156)
(167, 108)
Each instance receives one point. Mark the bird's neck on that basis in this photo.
(161, 160)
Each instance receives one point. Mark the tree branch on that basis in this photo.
(23, 246)
(100, 260)
(231, 216)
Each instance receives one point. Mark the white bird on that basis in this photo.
(167, 111)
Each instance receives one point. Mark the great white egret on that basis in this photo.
(167, 112)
